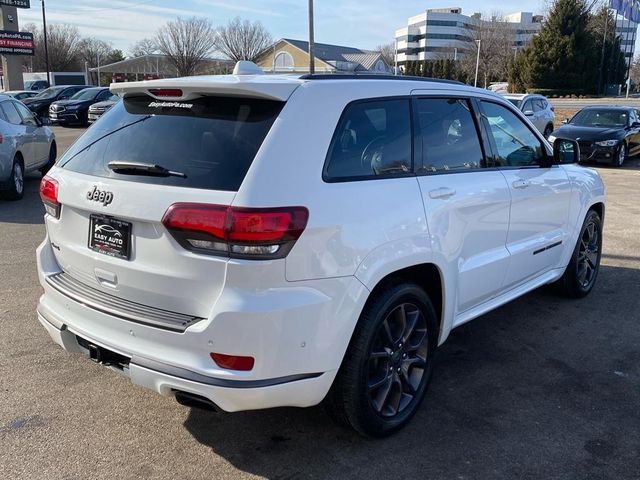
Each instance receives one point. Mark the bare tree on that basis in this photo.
(146, 46)
(64, 47)
(95, 52)
(243, 40)
(186, 42)
(496, 39)
(388, 53)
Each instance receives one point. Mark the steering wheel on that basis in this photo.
(373, 151)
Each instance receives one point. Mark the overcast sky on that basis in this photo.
(358, 23)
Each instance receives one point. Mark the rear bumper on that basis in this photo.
(297, 333)
(229, 395)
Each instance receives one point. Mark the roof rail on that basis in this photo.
(350, 76)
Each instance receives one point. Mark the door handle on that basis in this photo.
(521, 184)
(442, 193)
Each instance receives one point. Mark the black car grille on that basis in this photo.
(586, 148)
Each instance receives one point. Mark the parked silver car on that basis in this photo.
(537, 108)
(98, 109)
(26, 145)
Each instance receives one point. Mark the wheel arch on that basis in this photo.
(599, 208)
(426, 275)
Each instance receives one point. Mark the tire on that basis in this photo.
(548, 131)
(15, 190)
(386, 370)
(585, 261)
(621, 155)
(53, 154)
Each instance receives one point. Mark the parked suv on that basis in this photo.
(40, 103)
(537, 108)
(75, 110)
(256, 241)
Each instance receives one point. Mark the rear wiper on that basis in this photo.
(137, 168)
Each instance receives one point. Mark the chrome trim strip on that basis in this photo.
(185, 374)
(119, 307)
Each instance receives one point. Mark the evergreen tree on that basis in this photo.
(564, 54)
(437, 69)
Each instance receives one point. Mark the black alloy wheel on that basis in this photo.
(398, 360)
(386, 370)
(582, 272)
(588, 255)
(621, 155)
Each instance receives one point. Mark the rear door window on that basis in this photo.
(448, 137)
(212, 140)
(373, 140)
(11, 113)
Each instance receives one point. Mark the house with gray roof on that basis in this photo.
(289, 55)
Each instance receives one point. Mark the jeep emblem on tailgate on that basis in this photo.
(103, 197)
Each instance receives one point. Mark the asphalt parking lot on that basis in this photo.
(543, 388)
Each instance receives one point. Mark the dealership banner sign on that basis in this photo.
(16, 43)
(16, 3)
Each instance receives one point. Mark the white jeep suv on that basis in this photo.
(254, 241)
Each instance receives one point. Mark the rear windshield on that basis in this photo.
(211, 140)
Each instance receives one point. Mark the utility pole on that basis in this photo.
(604, 42)
(479, 42)
(46, 44)
(312, 55)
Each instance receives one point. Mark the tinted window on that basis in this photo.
(87, 94)
(373, 138)
(528, 106)
(448, 136)
(68, 93)
(596, 117)
(49, 93)
(25, 113)
(539, 105)
(516, 145)
(105, 95)
(212, 140)
(11, 113)
(517, 103)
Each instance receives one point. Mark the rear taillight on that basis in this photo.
(49, 196)
(257, 233)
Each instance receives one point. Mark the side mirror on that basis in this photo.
(565, 151)
(565, 121)
(528, 113)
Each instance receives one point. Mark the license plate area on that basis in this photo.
(110, 236)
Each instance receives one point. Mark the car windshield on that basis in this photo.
(88, 94)
(600, 118)
(49, 93)
(517, 103)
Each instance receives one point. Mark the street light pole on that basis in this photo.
(479, 42)
(46, 45)
(312, 56)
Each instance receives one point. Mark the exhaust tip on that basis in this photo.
(192, 400)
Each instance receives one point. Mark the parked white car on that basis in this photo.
(254, 241)
(26, 145)
(537, 108)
